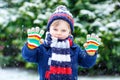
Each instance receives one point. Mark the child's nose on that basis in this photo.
(58, 32)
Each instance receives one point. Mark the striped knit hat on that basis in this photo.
(61, 12)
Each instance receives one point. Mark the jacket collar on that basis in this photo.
(73, 47)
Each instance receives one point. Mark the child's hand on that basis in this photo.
(50, 39)
(34, 37)
(91, 46)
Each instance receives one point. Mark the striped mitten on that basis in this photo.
(92, 44)
(34, 37)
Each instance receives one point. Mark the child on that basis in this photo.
(58, 56)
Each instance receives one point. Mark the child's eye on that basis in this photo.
(55, 29)
(63, 30)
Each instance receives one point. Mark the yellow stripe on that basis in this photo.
(34, 38)
(31, 46)
(94, 44)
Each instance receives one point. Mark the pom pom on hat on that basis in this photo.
(61, 12)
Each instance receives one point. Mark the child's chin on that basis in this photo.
(62, 38)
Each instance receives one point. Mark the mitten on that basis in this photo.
(92, 44)
(49, 39)
(34, 37)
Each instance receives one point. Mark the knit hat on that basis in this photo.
(61, 12)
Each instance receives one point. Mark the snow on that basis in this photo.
(34, 4)
(48, 13)
(65, 1)
(114, 25)
(17, 74)
(37, 21)
(4, 17)
(2, 3)
(16, 1)
(42, 16)
(36, 1)
(116, 39)
(7, 15)
(103, 28)
(87, 12)
(105, 9)
(117, 31)
(97, 23)
(14, 18)
(28, 4)
(52, 2)
(31, 14)
(22, 74)
(78, 25)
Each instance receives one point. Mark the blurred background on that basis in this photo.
(101, 17)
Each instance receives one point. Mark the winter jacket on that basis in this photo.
(41, 55)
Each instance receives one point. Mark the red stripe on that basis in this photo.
(91, 50)
(62, 14)
(47, 74)
(34, 36)
(60, 70)
(92, 42)
(70, 41)
(31, 46)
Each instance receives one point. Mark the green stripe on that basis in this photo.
(34, 41)
(91, 46)
(34, 33)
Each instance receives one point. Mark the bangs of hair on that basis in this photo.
(57, 22)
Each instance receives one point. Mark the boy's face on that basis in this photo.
(61, 30)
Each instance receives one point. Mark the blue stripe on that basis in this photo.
(61, 64)
(60, 77)
(61, 50)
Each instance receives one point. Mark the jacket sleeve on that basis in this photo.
(30, 55)
(86, 60)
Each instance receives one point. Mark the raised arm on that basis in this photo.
(89, 55)
(31, 48)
